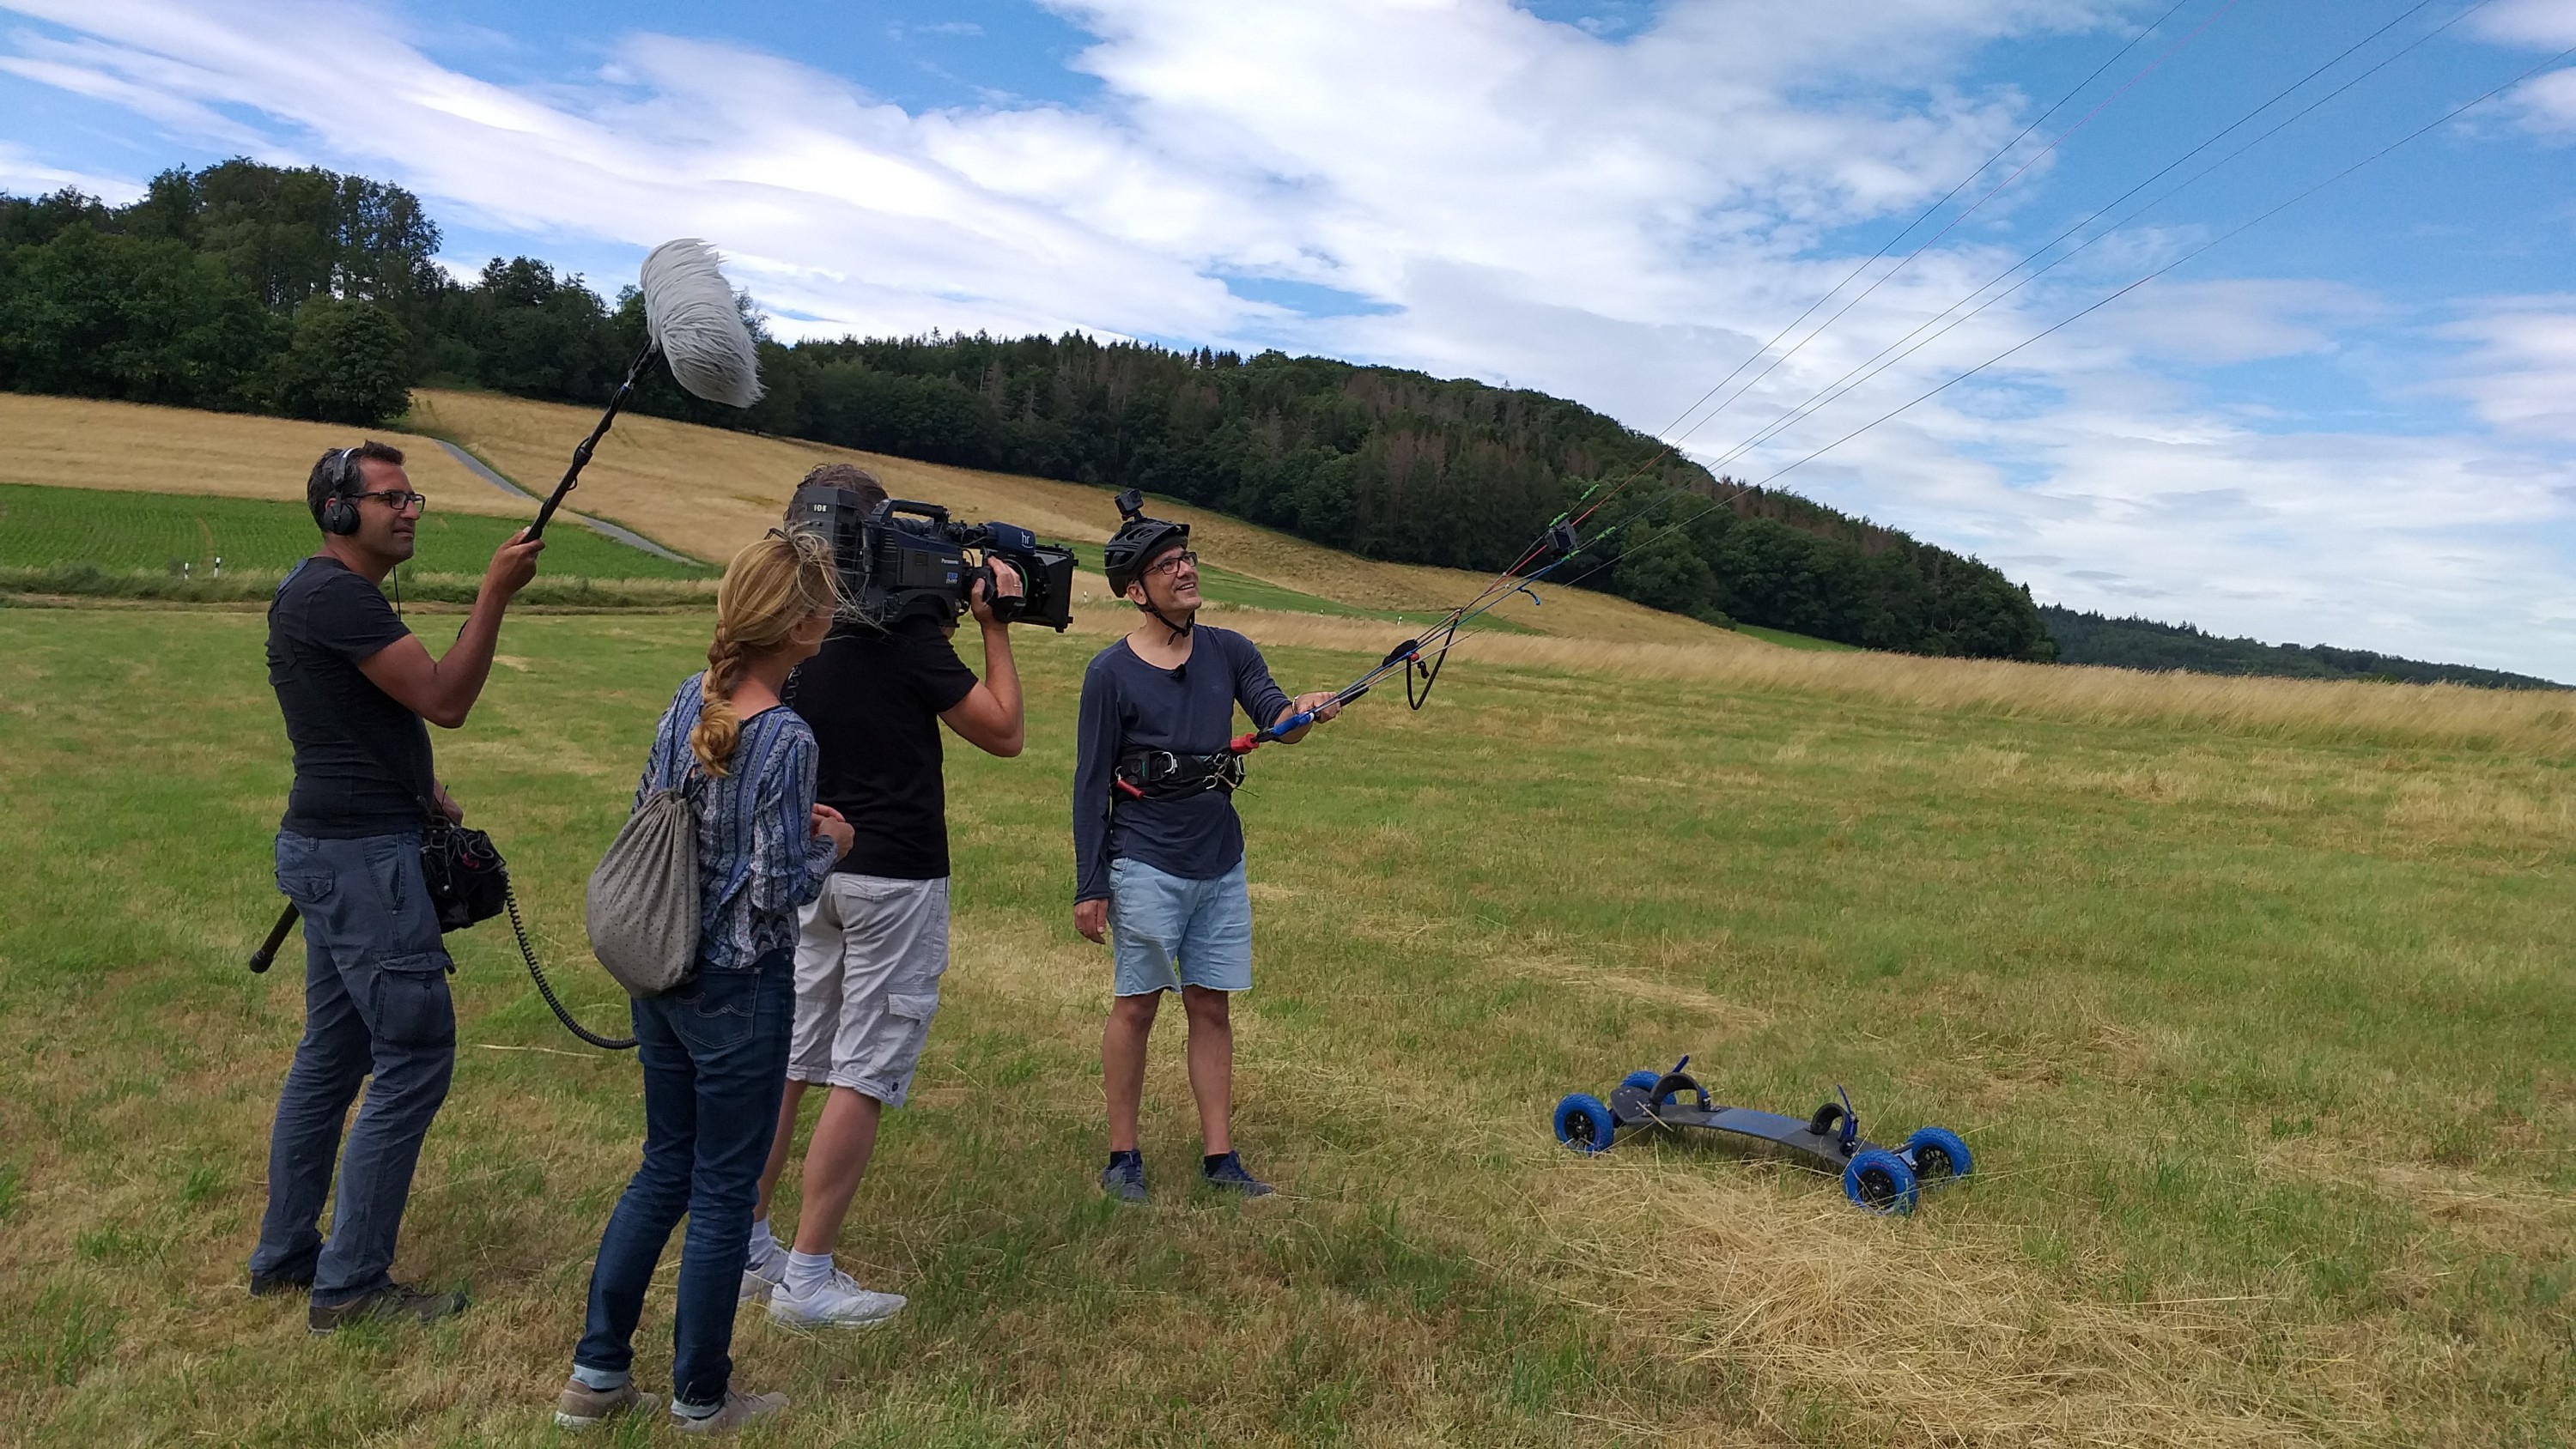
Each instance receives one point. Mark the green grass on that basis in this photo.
(155, 533)
(1787, 640)
(2263, 1043)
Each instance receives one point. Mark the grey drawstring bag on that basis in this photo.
(643, 899)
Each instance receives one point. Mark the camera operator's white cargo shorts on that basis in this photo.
(1168, 932)
(868, 963)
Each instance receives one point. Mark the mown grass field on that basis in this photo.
(2252, 998)
(138, 542)
(157, 532)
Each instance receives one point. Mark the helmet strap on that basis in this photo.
(1180, 631)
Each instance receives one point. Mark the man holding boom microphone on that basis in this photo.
(874, 945)
(354, 686)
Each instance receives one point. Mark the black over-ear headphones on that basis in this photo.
(340, 510)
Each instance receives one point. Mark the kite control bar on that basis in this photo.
(1397, 658)
(1424, 656)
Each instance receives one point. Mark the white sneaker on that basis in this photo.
(836, 1302)
(763, 1278)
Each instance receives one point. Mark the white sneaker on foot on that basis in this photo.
(834, 1302)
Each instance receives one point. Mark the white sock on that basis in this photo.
(804, 1270)
(762, 1244)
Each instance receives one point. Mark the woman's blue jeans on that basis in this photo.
(715, 1062)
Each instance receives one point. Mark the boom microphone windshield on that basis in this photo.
(690, 321)
(690, 314)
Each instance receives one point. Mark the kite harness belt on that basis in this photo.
(1164, 775)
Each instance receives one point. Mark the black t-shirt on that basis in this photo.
(362, 764)
(874, 701)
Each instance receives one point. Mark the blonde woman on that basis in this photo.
(714, 1051)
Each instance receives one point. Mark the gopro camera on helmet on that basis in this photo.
(903, 558)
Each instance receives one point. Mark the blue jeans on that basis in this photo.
(1167, 931)
(715, 1063)
(375, 1002)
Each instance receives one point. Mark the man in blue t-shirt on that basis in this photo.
(354, 686)
(1158, 849)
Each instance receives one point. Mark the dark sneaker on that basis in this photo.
(284, 1280)
(583, 1407)
(1124, 1179)
(397, 1302)
(1227, 1174)
(737, 1410)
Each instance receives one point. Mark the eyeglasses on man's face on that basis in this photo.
(1171, 563)
(400, 500)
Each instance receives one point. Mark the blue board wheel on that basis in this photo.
(1938, 1155)
(1641, 1079)
(1584, 1123)
(1878, 1181)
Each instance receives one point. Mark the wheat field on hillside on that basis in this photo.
(135, 447)
(706, 492)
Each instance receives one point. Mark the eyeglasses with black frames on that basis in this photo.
(1170, 563)
(398, 499)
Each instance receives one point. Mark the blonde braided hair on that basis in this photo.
(773, 585)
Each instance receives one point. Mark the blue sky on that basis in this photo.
(2349, 424)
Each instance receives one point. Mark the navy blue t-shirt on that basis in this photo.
(1189, 711)
(362, 763)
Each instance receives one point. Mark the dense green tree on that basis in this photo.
(349, 362)
(534, 333)
(2087, 638)
(186, 295)
(111, 316)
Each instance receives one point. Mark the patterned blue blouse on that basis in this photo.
(757, 858)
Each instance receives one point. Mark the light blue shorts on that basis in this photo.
(1169, 932)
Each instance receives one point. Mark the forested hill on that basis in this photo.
(2145, 644)
(304, 292)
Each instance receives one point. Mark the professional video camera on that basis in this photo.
(902, 558)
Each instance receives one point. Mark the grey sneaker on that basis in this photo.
(398, 1302)
(739, 1409)
(583, 1407)
(1227, 1175)
(759, 1282)
(1124, 1178)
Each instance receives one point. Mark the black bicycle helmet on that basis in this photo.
(1138, 541)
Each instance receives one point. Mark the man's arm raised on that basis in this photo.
(443, 691)
(990, 717)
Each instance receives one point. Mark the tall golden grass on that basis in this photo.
(2355, 711)
(80, 443)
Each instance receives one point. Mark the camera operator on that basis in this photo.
(354, 686)
(875, 944)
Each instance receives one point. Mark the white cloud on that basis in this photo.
(2548, 103)
(2521, 374)
(1618, 220)
(24, 175)
(2549, 23)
